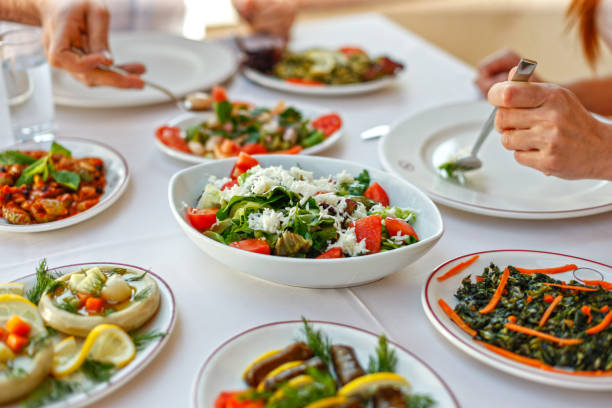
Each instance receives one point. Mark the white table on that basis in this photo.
(215, 303)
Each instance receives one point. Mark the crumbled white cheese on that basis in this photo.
(347, 241)
(271, 126)
(399, 238)
(344, 177)
(218, 182)
(300, 174)
(267, 221)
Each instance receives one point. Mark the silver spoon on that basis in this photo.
(194, 101)
(523, 72)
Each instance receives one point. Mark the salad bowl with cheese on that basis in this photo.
(304, 221)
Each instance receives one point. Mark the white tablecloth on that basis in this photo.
(215, 303)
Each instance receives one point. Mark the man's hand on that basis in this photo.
(273, 17)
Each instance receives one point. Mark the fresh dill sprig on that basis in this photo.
(68, 306)
(14, 372)
(385, 359)
(97, 371)
(51, 390)
(136, 278)
(142, 340)
(318, 342)
(116, 271)
(44, 281)
(40, 340)
(419, 401)
(97, 285)
(142, 295)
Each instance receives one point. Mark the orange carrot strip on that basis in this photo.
(457, 268)
(549, 271)
(498, 293)
(603, 284)
(598, 373)
(558, 285)
(602, 325)
(605, 309)
(549, 310)
(532, 332)
(529, 299)
(513, 356)
(586, 309)
(456, 318)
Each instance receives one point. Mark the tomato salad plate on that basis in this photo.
(304, 220)
(54, 184)
(235, 126)
(71, 335)
(541, 316)
(343, 71)
(418, 146)
(316, 364)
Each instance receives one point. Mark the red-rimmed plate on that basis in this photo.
(162, 322)
(435, 290)
(223, 370)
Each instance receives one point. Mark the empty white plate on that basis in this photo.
(415, 147)
(179, 64)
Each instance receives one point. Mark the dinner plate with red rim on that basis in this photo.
(117, 178)
(223, 369)
(191, 119)
(415, 147)
(278, 84)
(445, 289)
(163, 322)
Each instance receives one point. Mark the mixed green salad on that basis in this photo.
(272, 210)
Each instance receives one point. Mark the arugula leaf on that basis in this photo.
(57, 148)
(67, 179)
(14, 157)
(38, 167)
(223, 110)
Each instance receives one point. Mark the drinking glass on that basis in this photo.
(27, 81)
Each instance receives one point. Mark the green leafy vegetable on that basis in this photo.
(142, 340)
(98, 372)
(67, 179)
(318, 342)
(44, 167)
(384, 360)
(223, 110)
(14, 157)
(38, 167)
(57, 148)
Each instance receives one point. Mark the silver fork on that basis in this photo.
(523, 72)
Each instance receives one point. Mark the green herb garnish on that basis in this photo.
(136, 278)
(51, 390)
(44, 281)
(223, 110)
(418, 401)
(97, 371)
(142, 340)
(319, 342)
(70, 306)
(142, 295)
(448, 169)
(10, 157)
(385, 359)
(323, 386)
(44, 167)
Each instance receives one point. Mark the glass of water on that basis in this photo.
(27, 81)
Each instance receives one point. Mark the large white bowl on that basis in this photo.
(187, 185)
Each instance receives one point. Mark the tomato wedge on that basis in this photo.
(376, 193)
(259, 246)
(219, 94)
(292, 150)
(348, 51)
(370, 229)
(243, 163)
(331, 254)
(254, 148)
(328, 124)
(202, 219)
(231, 399)
(307, 82)
(171, 137)
(395, 226)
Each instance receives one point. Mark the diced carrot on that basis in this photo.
(586, 310)
(529, 299)
(16, 325)
(375, 192)
(16, 342)
(531, 332)
(605, 309)
(456, 318)
(94, 304)
(331, 254)
(549, 310)
(370, 229)
(548, 298)
(568, 322)
(83, 296)
(512, 319)
(498, 293)
(479, 278)
(602, 325)
(458, 268)
(549, 271)
(3, 334)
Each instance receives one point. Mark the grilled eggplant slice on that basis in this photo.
(297, 351)
(346, 365)
(389, 398)
(272, 383)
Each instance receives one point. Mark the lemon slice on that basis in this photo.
(108, 343)
(260, 359)
(276, 371)
(67, 357)
(15, 288)
(367, 385)
(328, 402)
(11, 304)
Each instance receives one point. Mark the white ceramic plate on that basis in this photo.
(117, 177)
(187, 185)
(318, 90)
(415, 147)
(187, 120)
(222, 371)
(179, 64)
(162, 322)
(435, 290)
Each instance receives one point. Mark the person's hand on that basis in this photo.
(495, 69)
(83, 24)
(549, 130)
(274, 17)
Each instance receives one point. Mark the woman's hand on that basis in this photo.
(273, 17)
(549, 130)
(495, 69)
(83, 24)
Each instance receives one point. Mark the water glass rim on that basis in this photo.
(36, 39)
